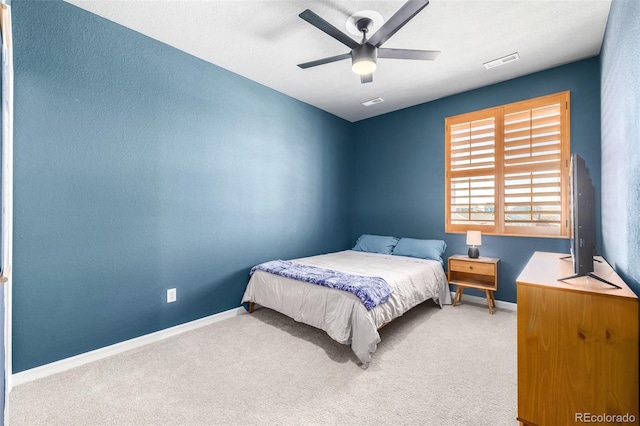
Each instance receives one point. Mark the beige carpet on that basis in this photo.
(451, 366)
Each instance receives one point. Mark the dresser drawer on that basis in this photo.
(471, 267)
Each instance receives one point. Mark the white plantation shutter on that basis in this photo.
(507, 168)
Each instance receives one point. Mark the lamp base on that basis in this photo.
(474, 253)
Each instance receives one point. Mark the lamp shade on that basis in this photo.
(474, 238)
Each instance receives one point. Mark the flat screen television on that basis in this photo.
(583, 235)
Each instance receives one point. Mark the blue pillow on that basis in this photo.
(375, 244)
(424, 249)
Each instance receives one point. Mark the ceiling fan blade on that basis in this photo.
(397, 21)
(423, 55)
(326, 27)
(367, 78)
(325, 61)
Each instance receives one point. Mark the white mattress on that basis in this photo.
(340, 313)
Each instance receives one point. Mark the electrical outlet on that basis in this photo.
(171, 295)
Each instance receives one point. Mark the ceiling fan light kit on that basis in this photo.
(364, 55)
(364, 59)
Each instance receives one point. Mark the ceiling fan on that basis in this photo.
(364, 54)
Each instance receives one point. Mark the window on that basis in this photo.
(507, 169)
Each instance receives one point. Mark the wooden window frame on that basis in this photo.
(500, 226)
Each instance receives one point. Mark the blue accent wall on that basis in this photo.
(140, 168)
(621, 140)
(399, 164)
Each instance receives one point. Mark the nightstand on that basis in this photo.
(480, 273)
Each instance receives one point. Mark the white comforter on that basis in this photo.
(341, 314)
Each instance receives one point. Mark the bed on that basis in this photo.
(341, 314)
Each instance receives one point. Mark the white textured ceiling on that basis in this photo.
(265, 40)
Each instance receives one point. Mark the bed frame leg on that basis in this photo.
(251, 307)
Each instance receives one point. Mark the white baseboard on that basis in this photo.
(508, 306)
(107, 351)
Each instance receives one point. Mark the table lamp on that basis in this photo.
(474, 238)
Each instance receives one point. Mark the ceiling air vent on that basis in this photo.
(501, 61)
(373, 102)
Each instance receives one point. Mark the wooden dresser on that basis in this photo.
(577, 345)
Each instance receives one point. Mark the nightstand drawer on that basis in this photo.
(471, 267)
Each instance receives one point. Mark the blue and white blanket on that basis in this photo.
(370, 290)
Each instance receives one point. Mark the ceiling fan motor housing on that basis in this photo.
(364, 59)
